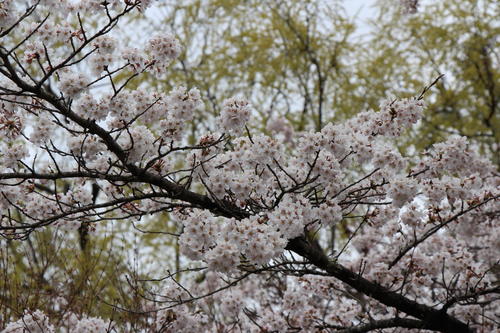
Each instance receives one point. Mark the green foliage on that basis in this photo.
(458, 39)
(290, 58)
(300, 60)
(50, 267)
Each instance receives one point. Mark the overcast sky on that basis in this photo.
(353, 6)
(365, 9)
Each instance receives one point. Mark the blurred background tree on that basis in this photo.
(305, 62)
(459, 39)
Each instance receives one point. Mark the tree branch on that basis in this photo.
(431, 318)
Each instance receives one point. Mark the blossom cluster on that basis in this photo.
(7, 14)
(234, 115)
(103, 60)
(72, 84)
(163, 50)
(37, 321)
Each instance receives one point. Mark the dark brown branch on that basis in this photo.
(431, 318)
(385, 323)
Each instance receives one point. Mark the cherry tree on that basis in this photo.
(420, 242)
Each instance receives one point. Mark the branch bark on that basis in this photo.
(431, 318)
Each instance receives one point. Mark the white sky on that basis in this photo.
(354, 6)
(364, 11)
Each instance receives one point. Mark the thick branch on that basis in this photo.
(431, 318)
(386, 323)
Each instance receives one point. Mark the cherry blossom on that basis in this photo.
(324, 230)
